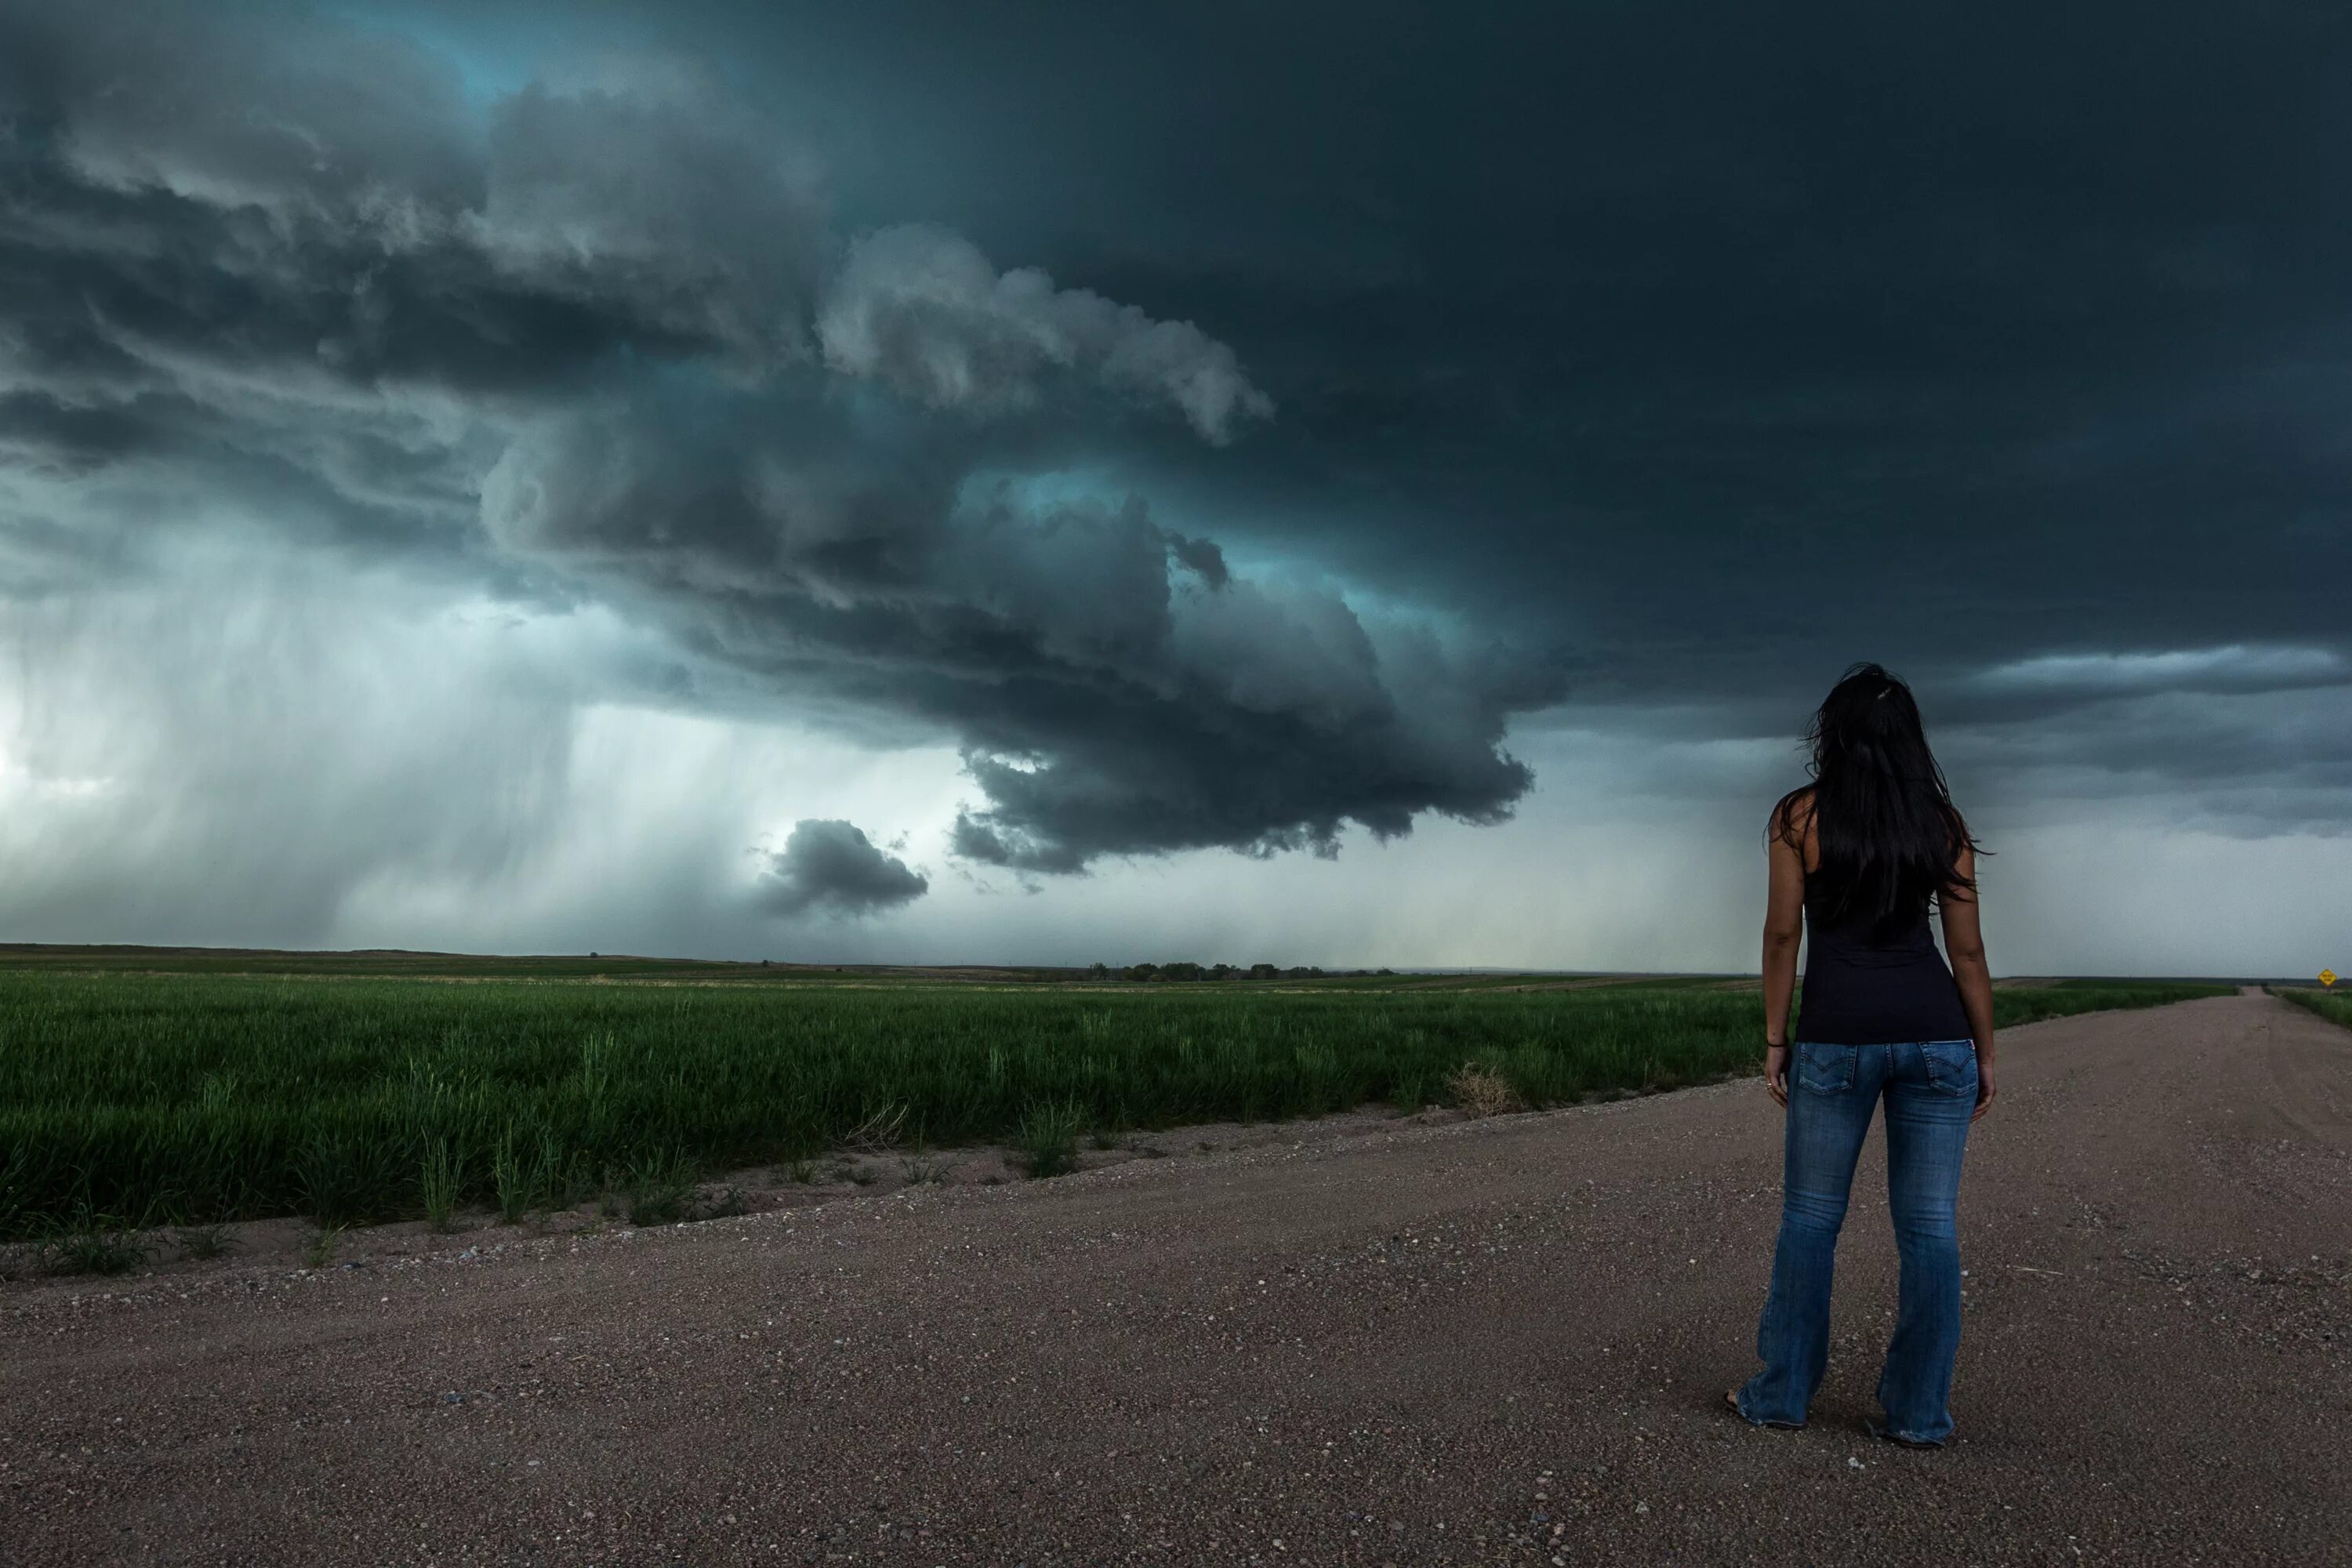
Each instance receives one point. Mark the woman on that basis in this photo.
(1859, 856)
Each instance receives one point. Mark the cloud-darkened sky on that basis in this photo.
(1278, 431)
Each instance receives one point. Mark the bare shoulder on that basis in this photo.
(1964, 843)
(1792, 817)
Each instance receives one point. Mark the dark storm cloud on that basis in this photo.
(831, 868)
(602, 336)
(1109, 703)
(271, 193)
(1723, 343)
(266, 264)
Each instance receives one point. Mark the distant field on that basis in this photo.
(2336, 1006)
(392, 963)
(192, 1096)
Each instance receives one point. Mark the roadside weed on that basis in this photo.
(659, 1190)
(90, 1243)
(1048, 1138)
(321, 1251)
(511, 1179)
(726, 1206)
(1481, 1092)
(878, 1133)
(443, 1176)
(204, 1242)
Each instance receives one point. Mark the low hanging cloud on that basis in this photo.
(831, 868)
(600, 342)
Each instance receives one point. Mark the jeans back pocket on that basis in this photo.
(1826, 1069)
(1951, 1066)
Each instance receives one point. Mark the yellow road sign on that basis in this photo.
(2327, 977)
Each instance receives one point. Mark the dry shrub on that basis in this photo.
(878, 1133)
(1480, 1093)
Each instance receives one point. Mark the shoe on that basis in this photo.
(1731, 1402)
(1884, 1435)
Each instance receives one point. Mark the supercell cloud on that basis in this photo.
(606, 342)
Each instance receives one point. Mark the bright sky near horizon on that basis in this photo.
(1365, 485)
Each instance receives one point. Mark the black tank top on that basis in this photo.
(1859, 991)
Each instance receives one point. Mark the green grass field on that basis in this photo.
(191, 1098)
(2336, 1006)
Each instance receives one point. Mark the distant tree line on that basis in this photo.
(1157, 973)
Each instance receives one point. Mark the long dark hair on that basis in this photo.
(1890, 837)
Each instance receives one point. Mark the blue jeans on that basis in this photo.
(1930, 1091)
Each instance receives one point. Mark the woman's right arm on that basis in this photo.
(1964, 945)
(1784, 927)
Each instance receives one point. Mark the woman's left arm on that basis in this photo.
(1964, 941)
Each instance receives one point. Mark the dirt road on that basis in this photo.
(1489, 1343)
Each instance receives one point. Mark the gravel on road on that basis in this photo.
(1496, 1341)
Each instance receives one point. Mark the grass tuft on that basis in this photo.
(1048, 1138)
(529, 1174)
(345, 1174)
(444, 1178)
(91, 1243)
(321, 1251)
(205, 1242)
(878, 1133)
(1479, 1091)
(659, 1189)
